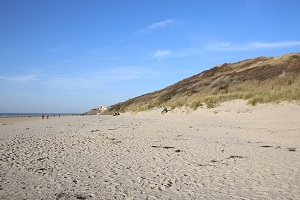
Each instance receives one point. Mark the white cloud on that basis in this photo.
(274, 44)
(177, 53)
(228, 46)
(162, 54)
(161, 24)
(158, 25)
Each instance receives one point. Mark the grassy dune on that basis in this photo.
(258, 80)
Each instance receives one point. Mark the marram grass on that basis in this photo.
(255, 92)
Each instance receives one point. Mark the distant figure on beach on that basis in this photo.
(116, 114)
(43, 116)
(165, 110)
(47, 116)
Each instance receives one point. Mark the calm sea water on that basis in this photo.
(32, 114)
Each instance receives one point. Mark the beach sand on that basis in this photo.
(233, 151)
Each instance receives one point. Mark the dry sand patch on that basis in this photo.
(201, 155)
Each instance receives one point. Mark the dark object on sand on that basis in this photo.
(116, 114)
(165, 110)
(165, 147)
(291, 149)
(266, 146)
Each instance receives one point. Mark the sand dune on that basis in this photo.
(233, 151)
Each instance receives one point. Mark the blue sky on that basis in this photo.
(72, 55)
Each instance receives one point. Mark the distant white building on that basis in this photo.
(101, 108)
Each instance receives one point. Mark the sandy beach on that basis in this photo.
(233, 151)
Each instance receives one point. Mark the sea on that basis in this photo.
(33, 114)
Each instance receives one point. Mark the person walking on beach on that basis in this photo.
(43, 116)
(47, 116)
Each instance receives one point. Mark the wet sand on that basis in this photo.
(233, 151)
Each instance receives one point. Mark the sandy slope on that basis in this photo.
(233, 151)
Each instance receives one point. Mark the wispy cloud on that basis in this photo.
(101, 78)
(161, 24)
(57, 49)
(275, 44)
(62, 63)
(19, 79)
(68, 82)
(158, 25)
(133, 72)
(225, 46)
(162, 54)
(177, 53)
(229, 46)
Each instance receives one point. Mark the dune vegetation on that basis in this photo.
(258, 80)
